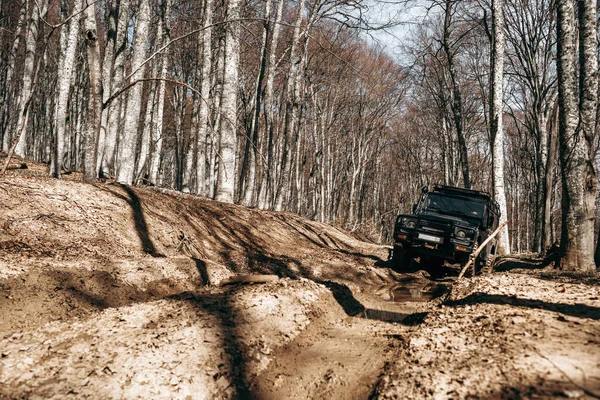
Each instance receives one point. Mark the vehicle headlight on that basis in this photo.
(409, 223)
(464, 233)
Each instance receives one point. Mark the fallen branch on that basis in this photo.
(475, 254)
(16, 166)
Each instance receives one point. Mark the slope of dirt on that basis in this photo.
(199, 345)
(72, 247)
(108, 291)
(113, 292)
(530, 334)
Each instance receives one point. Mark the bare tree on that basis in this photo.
(9, 86)
(496, 111)
(228, 132)
(577, 221)
(25, 96)
(69, 41)
(112, 114)
(90, 146)
(251, 142)
(456, 104)
(127, 148)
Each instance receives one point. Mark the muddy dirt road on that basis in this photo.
(111, 292)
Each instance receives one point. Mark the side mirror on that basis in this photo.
(414, 208)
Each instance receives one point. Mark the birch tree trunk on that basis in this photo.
(577, 251)
(90, 147)
(291, 111)
(496, 127)
(157, 126)
(215, 118)
(546, 236)
(115, 109)
(65, 75)
(204, 133)
(228, 125)
(252, 142)
(127, 148)
(266, 184)
(11, 90)
(588, 102)
(142, 163)
(107, 74)
(31, 41)
(456, 102)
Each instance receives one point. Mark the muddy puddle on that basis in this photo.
(413, 290)
(400, 299)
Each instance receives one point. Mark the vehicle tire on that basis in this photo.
(401, 259)
(479, 264)
(483, 262)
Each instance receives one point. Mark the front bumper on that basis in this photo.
(434, 245)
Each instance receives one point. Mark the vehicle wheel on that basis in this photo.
(401, 259)
(479, 264)
(483, 262)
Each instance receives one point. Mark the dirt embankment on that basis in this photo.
(72, 248)
(523, 333)
(108, 291)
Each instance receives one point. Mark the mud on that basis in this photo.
(108, 291)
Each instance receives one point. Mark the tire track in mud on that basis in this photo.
(344, 358)
(334, 360)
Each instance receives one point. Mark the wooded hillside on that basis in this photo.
(290, 105)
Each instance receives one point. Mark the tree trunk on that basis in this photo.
(228, 131)
(115, 109)
(291, 112)
(249, 187)
(146, 140)
(31, 41)
(90, 146)
(11, 87)
(456, 103)
(112, 17)
(157, 126)
(204, 134)
(546, 236)
(65, 75)
(576, 244)
(588, 99)
(496, 127)
(127, 147)
(267, 181)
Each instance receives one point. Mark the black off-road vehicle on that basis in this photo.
(447, 223)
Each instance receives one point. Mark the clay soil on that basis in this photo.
(109, 291)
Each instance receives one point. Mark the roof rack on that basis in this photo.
(469, 192)
(460, 190)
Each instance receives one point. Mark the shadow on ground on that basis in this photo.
(574, 310)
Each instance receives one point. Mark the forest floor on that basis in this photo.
(108, 291)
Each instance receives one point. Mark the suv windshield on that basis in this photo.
(452, 205)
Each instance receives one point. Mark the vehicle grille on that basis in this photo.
(437, 227)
